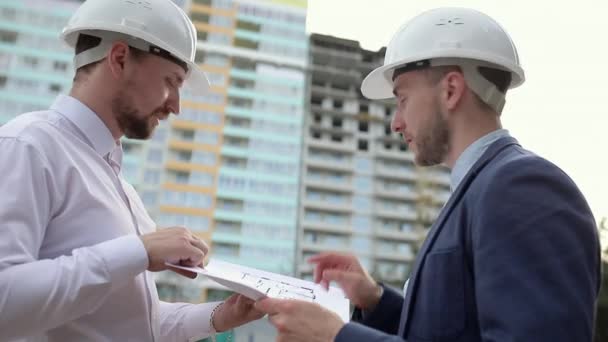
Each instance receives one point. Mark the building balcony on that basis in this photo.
(399, 173)
(396, 235)
(344, 207)
(336, 55)
(438, 178)
(318, 247)
(397, 213)
(395, 193)
(317, 108)
(333, 92)
(346, 132)
(320, 162)
(328, 184)
(441, 197)
(395, 154)
(341, 146)
(335, 70)
(326, 227)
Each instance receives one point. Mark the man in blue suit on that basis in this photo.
(514, 253)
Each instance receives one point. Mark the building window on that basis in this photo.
(187, 199)
(317, 119)
(203, 2)
(220, 20)
(218, 38)
(160, 134)
(245, 43)
(60, 66)
(364, 108)
(54, 88)
(362, 203)
(216, 59)
(152, 176)
(316, 101)
(336, 122)
(8, 36)
(155, 155)
(225, 249)
(361, 244)
(150, 199)
(30, 61)
(199, 17)
(363, 145)
(8, 13)
(362, 224)
(363, 126)
(363, 164)
(249, 26)
(363, 184)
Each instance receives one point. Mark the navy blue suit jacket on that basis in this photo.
(513, 257)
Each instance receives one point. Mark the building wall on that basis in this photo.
(360, 190)
(255, 53)
(34, 65)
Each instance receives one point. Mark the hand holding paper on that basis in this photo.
(257, 284)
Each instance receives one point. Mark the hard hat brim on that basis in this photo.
(379, 84)
(197, 82)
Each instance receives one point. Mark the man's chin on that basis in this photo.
(139, 135)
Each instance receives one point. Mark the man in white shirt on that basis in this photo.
(75, 238)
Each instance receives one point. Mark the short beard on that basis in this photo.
(130, 123)
(433, 145)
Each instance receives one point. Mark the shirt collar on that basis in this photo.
(87, 122)
(471, 154)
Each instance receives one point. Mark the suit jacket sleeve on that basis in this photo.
(536, 256)
(378, 324)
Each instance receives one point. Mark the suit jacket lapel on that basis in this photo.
(486, 158)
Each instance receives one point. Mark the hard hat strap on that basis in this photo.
(486, 90)
(418, 65)
(108, 38)
(92, 55)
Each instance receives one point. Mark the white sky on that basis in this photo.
(559, 112)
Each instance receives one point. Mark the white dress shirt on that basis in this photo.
(72, 267)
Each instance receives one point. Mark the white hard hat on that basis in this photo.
(156, 26)
(449, 36)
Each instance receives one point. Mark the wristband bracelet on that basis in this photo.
(211, 326)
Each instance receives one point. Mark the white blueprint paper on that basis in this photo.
(257, 284)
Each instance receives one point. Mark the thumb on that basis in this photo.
(193, 256)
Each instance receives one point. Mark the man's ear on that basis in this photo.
(117, 57)
(453, 88)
